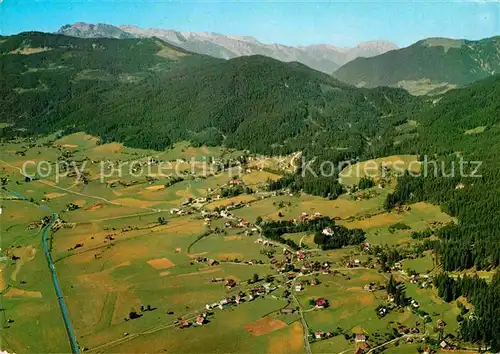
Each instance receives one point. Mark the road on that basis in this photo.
(64, 309)
(302, 319)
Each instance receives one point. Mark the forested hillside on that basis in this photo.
(448, 132)
(444, 133)
(438, 60)
(146, 93)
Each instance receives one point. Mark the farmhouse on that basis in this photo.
(199, 321)
(259, 290)
(235, 182)
(230, 283)
(319, 334)
(243, 223)
(269, 287)
(403, 330)
(360, 338)
(428, 350)
(328, 231)
(397, 265)
(287, 311)
(184, 324)
(321, 303)
(300, 255)
(212, 262)
(444, 345)
(212, 306)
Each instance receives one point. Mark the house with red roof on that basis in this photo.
(321, 303)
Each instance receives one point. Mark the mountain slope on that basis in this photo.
(100, 30)
(147, 93)
(324, 58)
(467, 186)
(428, 62)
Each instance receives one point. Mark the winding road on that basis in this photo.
(64, 309)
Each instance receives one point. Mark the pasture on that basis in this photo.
(379, 169)
(122, 248)
(420, 217)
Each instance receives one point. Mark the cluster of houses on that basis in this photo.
(233, 221)
(286, 265)
(267, 243)
(304, 283)
(240, 224)
(372, 287)
(402, 208)
(402, 329)
(181, 211)
(228, 301)
(200, 320)
(354, 263)
(422, 282)
(253, 293)
(309, 267)
(209, 261)
(319, 335)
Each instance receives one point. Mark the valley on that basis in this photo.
(156, 197)
(146, 264)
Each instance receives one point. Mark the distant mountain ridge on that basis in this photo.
(427, 66)
(322, 57)
(100, 30)
(148, 93)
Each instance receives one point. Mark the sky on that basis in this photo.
(340, 23)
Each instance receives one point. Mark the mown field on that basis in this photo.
(115, 255)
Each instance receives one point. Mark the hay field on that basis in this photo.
(418, 218)
(117, 255)
(351, 174)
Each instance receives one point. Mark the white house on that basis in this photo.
(328, 231)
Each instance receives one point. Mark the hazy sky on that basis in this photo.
(341, 23)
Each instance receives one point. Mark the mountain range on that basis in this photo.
(148, 93)
(429, 66)
(322, 57)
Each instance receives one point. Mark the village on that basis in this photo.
(285, 278)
